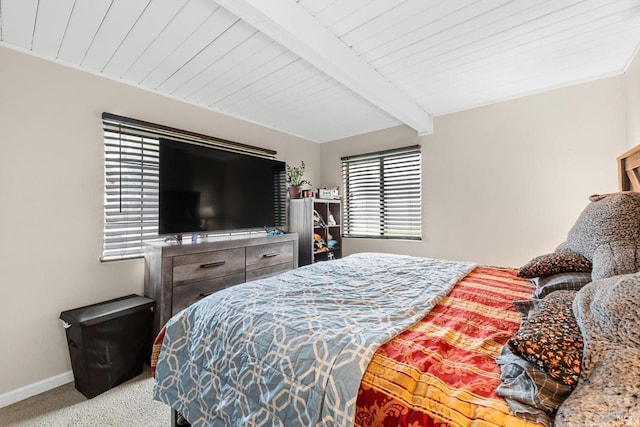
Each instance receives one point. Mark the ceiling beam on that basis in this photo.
(290, 25)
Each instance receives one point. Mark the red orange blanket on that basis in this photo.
(442, 371)
(155, 351)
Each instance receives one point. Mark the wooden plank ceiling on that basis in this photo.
(328, 69)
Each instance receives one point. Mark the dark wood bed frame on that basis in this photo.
(629, 170)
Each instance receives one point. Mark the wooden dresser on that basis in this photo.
(176, 276)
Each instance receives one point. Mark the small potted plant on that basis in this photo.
(295, 180)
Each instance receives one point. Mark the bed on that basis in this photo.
(391, 340)
(629, 170)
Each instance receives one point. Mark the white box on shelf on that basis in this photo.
(328, 193)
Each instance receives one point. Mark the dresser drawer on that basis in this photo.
(207, 265)
(271, 270)
(270, 254)
(185, 295)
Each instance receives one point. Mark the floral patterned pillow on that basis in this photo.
(549, 337)
(556, 262)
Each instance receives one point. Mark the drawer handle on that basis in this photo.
(212, 264)
(204, 294)
(271, 255)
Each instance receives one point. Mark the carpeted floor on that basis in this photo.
(129, 404)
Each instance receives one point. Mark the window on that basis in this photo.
(132, 176)
(383, 194)
(131, 190)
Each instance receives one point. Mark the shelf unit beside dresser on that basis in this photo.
(301, 222)
(177, 276)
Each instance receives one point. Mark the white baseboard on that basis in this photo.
(27, 391)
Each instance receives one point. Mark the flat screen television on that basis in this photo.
(206, 189)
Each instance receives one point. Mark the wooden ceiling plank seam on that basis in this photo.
(255, 88)
(512, 86)
(81, 29)
(531, 57)
(217, 63)
(370, 19)
(190, 47)
(336, 123)
(283, 19)
(517, 38)
(242, 85)
(536, 79)
(126, 36)
(313, 118)
(506, 91)
(313, 97)
(334, 94)
(229, 87)
(451, 14)
(187, 21)
(394, 54)
(306, 87)
(35, 24)
(52, 23)
(361, 16)
(294, 93)
(336, 10)
(412, 24)
(19, 17)
(342, 101)
(501, 37)
(558, 61)
(564, 35)
(315, 82)
(95, 35)
(227, 83)
(229, 39)
(473, 32)
(116, 25)
(153, 21)
(230, 63)
(395, 20)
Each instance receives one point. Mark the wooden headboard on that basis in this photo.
(629, 170)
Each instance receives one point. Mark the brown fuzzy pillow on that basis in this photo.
(556, 262)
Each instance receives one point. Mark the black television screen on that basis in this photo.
(206, 189)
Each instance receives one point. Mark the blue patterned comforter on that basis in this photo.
(291, 350)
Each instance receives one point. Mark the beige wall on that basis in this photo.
(51, 200)
(505, 182)
(632, 83)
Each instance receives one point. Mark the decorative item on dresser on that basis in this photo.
(177, 276)
(295, 180)
(318, 223)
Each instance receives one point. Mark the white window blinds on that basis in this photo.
(131, 190)
(383, 195)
